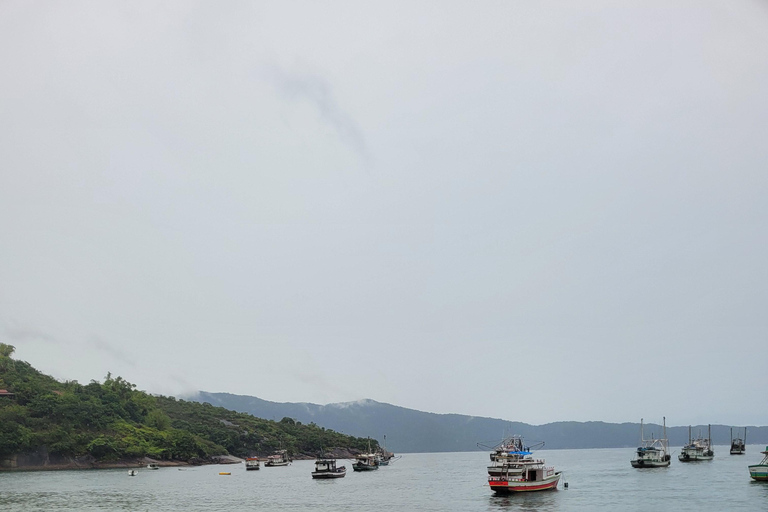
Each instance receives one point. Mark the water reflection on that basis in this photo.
(546, 500)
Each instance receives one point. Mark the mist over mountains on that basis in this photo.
(412, 431)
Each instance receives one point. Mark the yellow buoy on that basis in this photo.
(223, 473)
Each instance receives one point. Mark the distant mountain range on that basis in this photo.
(411, 431)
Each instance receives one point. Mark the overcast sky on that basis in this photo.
(535, 211)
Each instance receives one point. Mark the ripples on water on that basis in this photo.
(599, 480)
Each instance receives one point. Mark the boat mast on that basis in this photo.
(689, 434)
(642, 438)
(666, 441)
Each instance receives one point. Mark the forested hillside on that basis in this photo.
(409, 430)
(112, 420)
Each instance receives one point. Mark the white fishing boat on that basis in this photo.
(326, 468)
(252, 463)
(652, 453)
(132, 472)
(738, 444)
(279, 458)
(760, 471)
(152, 465)
(534, 476)
(697, 449)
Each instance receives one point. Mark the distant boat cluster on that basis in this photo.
(326, 467)
(513, 468)
(654, 453)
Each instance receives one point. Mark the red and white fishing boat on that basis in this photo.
(524, 475)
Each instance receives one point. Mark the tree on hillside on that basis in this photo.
(6, 350)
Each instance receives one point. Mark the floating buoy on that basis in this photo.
(223, 473)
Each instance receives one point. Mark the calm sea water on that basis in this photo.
(599, 480)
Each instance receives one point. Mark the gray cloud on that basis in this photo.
(17, 333)
(101, 345)
(575, 188)
(314, 88)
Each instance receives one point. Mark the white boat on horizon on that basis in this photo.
(652, 453)
(697, 449)
(738, 444)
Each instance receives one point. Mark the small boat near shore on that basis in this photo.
(652, 453)
(384, 456)
(132, 472)
(252, 463)
(152, 465)
(738, 444)
(697, 449)
(759, 472)
(326, 468)
(279, 458)
(366, 462)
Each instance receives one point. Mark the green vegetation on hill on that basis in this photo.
(242, 434)
(112, 420)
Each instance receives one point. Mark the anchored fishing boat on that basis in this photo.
(652, 453)
(326, 468)
(279, 458)
(365, 462)
(507, 457)
(252, 463)
(526, 475)
(383, 456)
(760, 471)
(697, 449)
(738, 444)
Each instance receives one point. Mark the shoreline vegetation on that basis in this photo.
(46, 424)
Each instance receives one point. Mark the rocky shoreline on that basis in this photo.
(43, 461)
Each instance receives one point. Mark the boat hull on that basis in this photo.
(275, 464)
(321, 475)
(759, 472)
(364, 468)
(694, 457)
(642, 463)
(506, 486)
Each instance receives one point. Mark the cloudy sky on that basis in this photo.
(536, 211)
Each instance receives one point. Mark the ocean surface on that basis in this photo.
(599, 480)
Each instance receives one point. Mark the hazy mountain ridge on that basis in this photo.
(409, 430)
